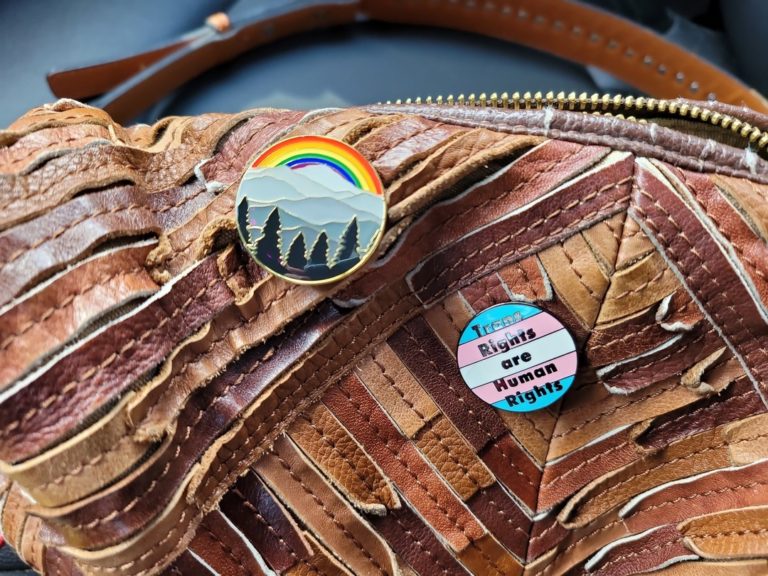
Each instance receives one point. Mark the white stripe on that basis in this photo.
(541, 350)
(203, 562)
(255, 553)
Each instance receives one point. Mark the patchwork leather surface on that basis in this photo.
(168, 407)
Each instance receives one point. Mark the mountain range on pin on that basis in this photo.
(308, 222)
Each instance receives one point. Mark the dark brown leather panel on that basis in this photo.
(586, 201)
(128, 506)
(87, 378)
(456, 488)
(265, 523)
(224, 550)
(646, 140)
(722, 294)
(436, 370)
(56, 314)
(412, 539)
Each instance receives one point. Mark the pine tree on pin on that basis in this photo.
(319, 254)
(242, 214)
(297, 253)
(349, 243)
(268, 245)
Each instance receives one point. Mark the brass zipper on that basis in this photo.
(631, 108)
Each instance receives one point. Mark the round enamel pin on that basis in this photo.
(517, 357)
(311, 209)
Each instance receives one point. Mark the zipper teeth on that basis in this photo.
(614, 104)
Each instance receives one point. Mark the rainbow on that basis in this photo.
(304, 150)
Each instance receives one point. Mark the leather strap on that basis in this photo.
(563, 28)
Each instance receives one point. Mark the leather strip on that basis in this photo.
(730, 534)
(119, 512)
(654, 549)
(187, 563)
(398, 392)
(412, 540)
(583, 202)
(442, 444)
(684, 240)
(576, 276)
(60, 179)
(55, 314)
(266, 524)
(503, 517)
(350, 402)
(644, 140)
(531, 176)
(334, 451)
(223, 549)
(315, 502)
(88, 377)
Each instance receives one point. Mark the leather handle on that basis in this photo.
(563, 28)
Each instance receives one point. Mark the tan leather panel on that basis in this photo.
(749, 199)
(592, 411)
(526, 279)
(322, 562)
(335, 452)
(397, 390)
(32, 548)
(532, 429)
(488, 557)
(634, 245)
(605, 240)
(637, 287)
(577, 277)
(747, 440)
(704, 568)
(448, 318)
(453, 457)
(336, 524)
(732, 534)
(14, 515)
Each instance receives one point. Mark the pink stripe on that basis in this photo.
(542, 324)
(566, 366)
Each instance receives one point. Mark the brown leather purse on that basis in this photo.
(169, 406)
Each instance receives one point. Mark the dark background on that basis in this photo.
(343, 66)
